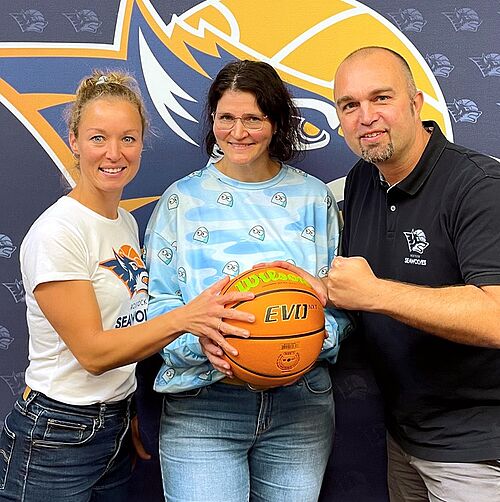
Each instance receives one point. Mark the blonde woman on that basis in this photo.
(67, 437)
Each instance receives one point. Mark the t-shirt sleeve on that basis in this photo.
(53, 251)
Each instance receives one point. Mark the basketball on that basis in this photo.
(288, 331)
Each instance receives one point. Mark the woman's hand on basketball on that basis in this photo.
(214, 355)
(205, 316)
(317, 284)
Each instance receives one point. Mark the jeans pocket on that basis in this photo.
(318, 380)
(7, 441)
(55, 429)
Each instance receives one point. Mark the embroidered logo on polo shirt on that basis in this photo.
(417, 244)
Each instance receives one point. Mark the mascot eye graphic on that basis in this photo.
(181, 275)
(257, 232)
(168, 374)
(279, 198)
(309, 233)
(417, 241)
(314, 112)
(329, 201)
(322, 272)
(165, 255)
(226, 199)
(173, 201)
(231, 268)
(129, 267)
(201, 235)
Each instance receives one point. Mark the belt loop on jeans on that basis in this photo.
(29, 394)
(102, 411)
(26, 393)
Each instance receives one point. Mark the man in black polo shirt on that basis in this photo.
(421, 265)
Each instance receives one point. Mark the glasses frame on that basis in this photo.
(241, 118)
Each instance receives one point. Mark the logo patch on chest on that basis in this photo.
(417, 244)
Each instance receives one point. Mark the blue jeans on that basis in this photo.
(226, 443)
(55, 452)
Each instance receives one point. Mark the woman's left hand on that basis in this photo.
(139, 450)
(214, 354)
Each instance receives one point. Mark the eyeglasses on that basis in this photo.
(226, 121)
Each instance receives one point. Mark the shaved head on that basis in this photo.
(405, 67)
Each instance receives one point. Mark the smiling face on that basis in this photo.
(109, 146)
(378, 115)
(243, 148)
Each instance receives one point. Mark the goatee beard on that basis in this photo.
(377, 155)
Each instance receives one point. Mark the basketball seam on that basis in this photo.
(278, 337)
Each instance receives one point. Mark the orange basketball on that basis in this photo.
(288, 331)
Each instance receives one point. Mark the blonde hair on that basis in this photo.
(103, 84)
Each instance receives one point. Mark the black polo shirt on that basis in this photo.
(439, 226)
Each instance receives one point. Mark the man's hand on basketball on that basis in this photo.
(317, 284)
(205, 316)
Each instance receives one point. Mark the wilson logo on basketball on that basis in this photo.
(269, 276)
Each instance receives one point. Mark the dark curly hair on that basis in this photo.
(272, 96)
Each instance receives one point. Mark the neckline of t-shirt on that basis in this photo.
(91, 212)
(248, 185)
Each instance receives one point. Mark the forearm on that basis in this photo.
(462, 314)
(204, 316)
(117, 347)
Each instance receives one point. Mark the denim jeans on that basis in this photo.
(55, 452)
(226, 443)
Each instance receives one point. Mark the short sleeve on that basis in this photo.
(53, 251)
(476, 233)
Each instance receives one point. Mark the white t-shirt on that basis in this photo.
(71, 242)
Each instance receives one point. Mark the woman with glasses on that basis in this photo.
(219, 439)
